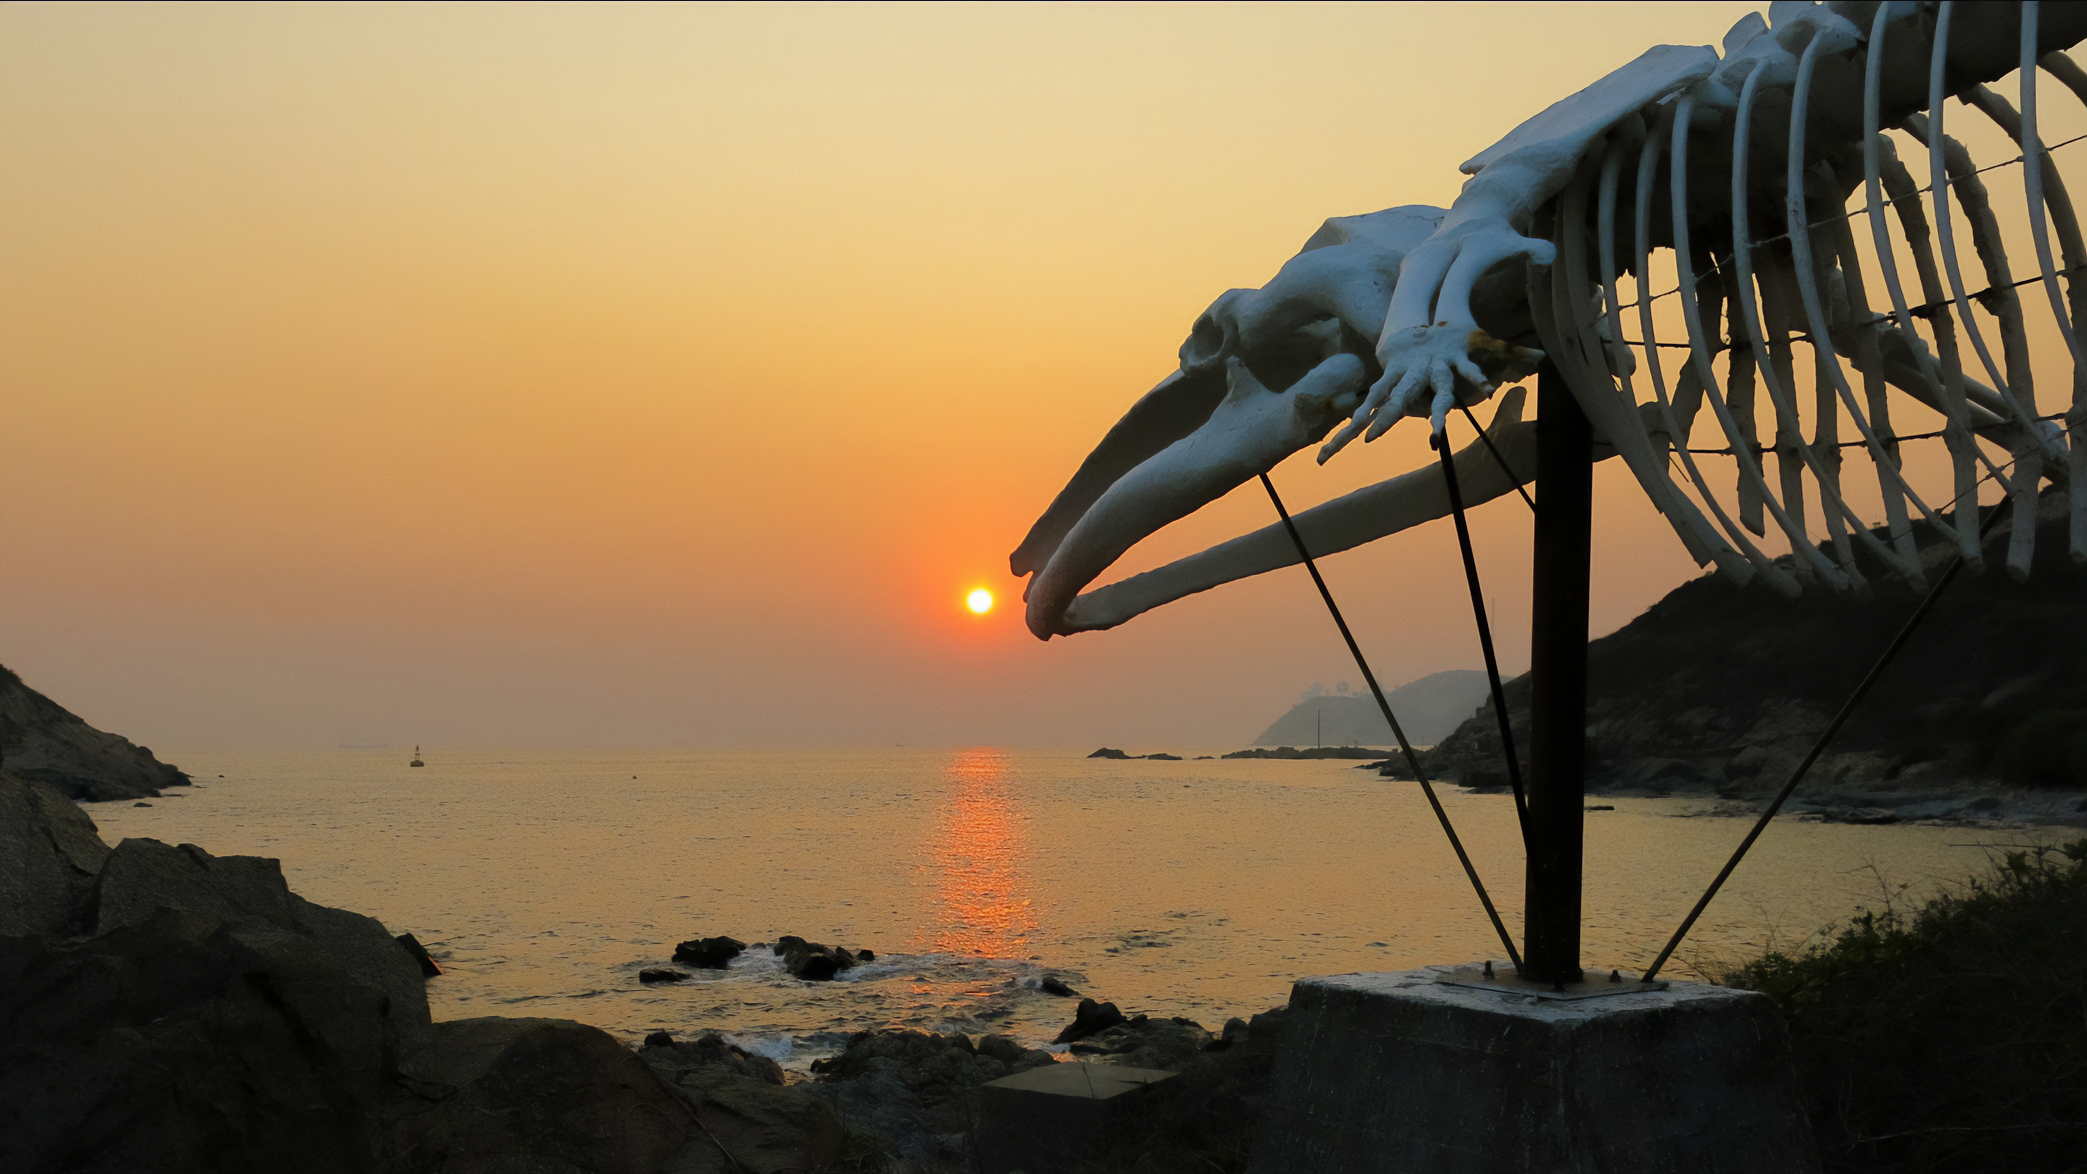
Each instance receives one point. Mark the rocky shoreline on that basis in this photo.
(1719, 692)
(1968, 803)
(166, 1009)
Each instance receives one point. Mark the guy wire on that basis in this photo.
(1833, 727)
(1412, 760)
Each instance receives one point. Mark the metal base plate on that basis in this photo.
(1507, 982)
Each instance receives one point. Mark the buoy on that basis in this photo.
(416, 758)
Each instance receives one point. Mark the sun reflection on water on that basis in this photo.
(974, 859)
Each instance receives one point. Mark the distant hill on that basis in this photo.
(41, 740)
(1427, 709)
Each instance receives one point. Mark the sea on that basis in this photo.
(544, 882)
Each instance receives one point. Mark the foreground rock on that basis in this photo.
(908, 1093)
(163, 1009)
(50, 855)
(913, 1096)
(41, 740)
(753, 1122)
(1204, 1118)
(1720, 690)
(1089, 1017)
(188, 1012)
(535, 1094)
(1100, 1030)
(1144, 1042)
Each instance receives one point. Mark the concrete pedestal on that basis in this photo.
(1399, 1072)
(1054, 1119)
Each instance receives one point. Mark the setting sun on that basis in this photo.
(980, 601)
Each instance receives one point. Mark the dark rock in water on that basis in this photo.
(1089, 1017)
(1163, 757)
(1107, 752)
(662, 974)
(414, 950)
(865, 955)
(1144, 1042)
(141, 803)
(1288, 753)
(1051, 985)
(710, 953)
(811, 961)
(42, 741)
(814, 966)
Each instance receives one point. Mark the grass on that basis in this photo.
(1952, 1035)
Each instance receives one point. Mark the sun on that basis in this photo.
(980, 601)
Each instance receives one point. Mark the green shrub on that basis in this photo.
(1953, 1036)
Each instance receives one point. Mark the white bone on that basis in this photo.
(1249, 433)
(1894, 489)
(1703, 542)
(1678, 414)
(1948, 158)
(1583, 362)
(1341, 524)
(2060, 66)
(1405, 313)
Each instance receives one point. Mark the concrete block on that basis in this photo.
(1399, 1072)
(1055, 1117)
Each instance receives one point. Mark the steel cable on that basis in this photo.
(1405, 747)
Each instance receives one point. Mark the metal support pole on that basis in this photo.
(1558, 682)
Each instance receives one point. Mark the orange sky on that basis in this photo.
(646, 374)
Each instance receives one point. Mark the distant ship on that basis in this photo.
(416, 758)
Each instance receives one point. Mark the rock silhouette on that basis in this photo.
(43, 741)
(164, 1009)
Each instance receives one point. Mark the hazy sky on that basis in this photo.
(612, 374)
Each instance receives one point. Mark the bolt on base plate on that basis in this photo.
(1507, 982)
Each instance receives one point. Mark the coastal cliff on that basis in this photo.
(1715, 687)
(42, 740)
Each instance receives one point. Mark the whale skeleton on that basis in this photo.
(1754, 177)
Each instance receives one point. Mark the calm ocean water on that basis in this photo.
(544, 882)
